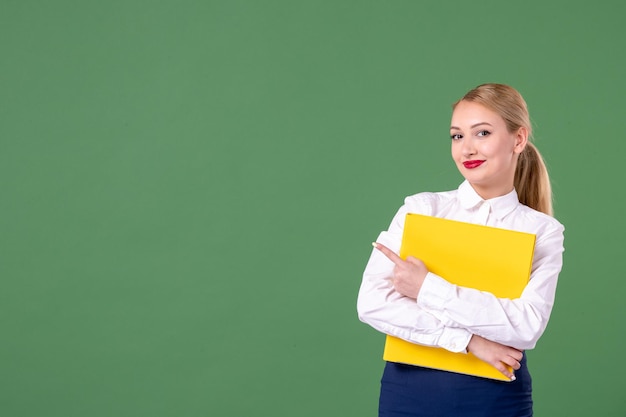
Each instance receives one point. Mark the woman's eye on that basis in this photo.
(484, 133)
(456, 136)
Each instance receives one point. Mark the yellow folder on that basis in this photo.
(490, 259)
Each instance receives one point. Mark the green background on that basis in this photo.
(189, 190)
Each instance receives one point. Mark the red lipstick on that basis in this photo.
(473, 164)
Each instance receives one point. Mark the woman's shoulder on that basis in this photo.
(427, 202)
(540, 222)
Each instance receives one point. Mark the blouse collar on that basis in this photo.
(500, 206)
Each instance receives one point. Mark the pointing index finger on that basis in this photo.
(391, 255)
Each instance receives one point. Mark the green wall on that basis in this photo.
(189, 190)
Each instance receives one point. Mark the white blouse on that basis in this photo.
(447, 315)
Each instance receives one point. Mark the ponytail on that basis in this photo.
(532, 182)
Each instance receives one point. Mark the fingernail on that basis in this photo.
(375, 245)
(513, 378)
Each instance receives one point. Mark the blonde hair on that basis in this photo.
(531, 181)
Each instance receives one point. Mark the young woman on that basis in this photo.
(507, 186)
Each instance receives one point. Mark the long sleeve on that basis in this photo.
(383, 308)
(518, 322)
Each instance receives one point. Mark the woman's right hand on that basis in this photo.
(496, 354)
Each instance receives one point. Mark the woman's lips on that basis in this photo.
(473, 164)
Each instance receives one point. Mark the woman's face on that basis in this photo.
(484, 151)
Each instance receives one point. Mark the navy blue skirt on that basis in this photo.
(408, 390)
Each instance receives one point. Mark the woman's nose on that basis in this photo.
(468, 148)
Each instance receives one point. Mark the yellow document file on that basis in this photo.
(485, 258)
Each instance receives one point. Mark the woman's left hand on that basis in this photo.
(408, 275)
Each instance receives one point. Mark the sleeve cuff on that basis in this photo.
(455, 339)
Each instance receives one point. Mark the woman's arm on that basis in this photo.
(518, 322)
(388, 311)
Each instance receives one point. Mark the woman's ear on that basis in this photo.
(521, 139)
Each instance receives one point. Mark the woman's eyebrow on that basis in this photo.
(473, 126)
